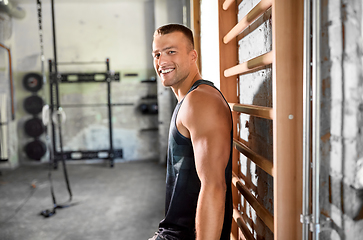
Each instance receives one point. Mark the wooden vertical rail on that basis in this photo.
(195, 15)
(228, 85)
(287, 21)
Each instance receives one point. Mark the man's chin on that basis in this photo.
(165, 83)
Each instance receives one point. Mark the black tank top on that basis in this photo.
(183, 185)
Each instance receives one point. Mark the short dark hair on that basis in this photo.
(170, 28)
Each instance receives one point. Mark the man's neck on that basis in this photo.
(181, 90)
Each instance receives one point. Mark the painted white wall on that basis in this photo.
(85, 32)
(209, 41)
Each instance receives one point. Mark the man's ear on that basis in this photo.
(194, 55)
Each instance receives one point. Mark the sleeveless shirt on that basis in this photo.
(183, 185)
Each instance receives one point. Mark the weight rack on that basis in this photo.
(57, 78)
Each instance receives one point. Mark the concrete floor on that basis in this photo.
(125, 202)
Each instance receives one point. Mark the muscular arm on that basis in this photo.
(209, 124)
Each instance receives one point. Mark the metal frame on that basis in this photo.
(286, 59)
(55, 79)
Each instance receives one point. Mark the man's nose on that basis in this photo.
(162, 59)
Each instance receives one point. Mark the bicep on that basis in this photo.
(210, 135)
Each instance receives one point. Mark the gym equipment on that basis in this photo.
(35, 149)
(57, 113)
(34, 127)
(32, 82)
(33, 104)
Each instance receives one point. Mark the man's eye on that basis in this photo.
(157, 55)
(171, 52)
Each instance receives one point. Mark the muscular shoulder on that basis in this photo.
(204, 108)
(205, 97)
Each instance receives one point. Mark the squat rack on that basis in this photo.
(55, 108)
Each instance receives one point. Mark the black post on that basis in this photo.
(51, 93)
(111, 152)
(57, 79)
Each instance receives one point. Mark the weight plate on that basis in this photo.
(153, 108)
(35, 149)
(143, 108)
(33, 104)
(34, 127)
(32, 82)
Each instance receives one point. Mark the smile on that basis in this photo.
(164, 71)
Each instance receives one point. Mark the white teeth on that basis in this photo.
(166, 70)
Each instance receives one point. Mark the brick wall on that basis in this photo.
(341, 118)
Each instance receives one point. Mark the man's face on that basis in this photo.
(173, 57)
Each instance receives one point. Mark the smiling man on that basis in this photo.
(198, 183)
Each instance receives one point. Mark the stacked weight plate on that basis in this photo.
(33, 127)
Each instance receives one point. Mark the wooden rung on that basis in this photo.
(260, 161)
(254, 110)
(261, 211)
(242, 224)
(257, 11)
(249, 65)
(227, 3)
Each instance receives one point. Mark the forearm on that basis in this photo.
(210, 212)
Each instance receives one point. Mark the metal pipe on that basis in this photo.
(316, 121)
(306, 122)
(11, 82)
(109, 107)
(54, 40)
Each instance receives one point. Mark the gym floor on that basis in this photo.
(125, 202)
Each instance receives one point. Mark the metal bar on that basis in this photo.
(227, 4)
(96, 105)
(242, 224)
(52, 107)
(304, 219)
(84, 155)
(254, 110)
(87, 77)
(261, 211)
(256, 12)
(11, 82)
(260, 161)
(54, 40)
(316, 121)
(250, 65)
(80, 63)
(287, 69)
(111, 154)
(65, 173)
